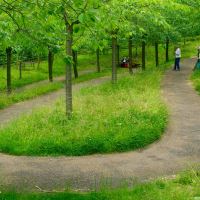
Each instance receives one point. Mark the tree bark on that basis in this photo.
(118, 55)
(75, 55)
(167, 50)
(143, 55)
(156, 54)
(38, 62)
(20, 69)
(69, 42)
(136, 51)
(50, 64)
(9, 57)
(98, 60)
(130, 50)
(114, 61)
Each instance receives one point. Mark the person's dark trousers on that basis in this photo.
(177, 64)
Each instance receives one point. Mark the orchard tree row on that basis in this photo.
(65, 26)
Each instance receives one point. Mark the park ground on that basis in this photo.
(177, 148)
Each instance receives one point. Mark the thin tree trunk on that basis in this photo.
(69, 42)
(136, 51)
(167, 50)
(98, 60)
(9, 57)
(74, 55)
(38, 62)
(118, 55)
(143, 55)
(156, 54)
(114, 61)
(50, 65)
(130, 43)
(33, 63)
(20, 69)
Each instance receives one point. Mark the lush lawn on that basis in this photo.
(106, 118)
(184, 187)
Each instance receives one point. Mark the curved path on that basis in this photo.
(178, 149)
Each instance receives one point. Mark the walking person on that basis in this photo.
(177, 59)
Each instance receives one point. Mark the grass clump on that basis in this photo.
(196, 80)
(106, 118)
(163, 189)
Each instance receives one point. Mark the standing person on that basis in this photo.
(177, 59)
(197, 65)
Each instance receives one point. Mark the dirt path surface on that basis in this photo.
(178, 149)
(55, 79)
(17, 109)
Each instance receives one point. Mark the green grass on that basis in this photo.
(196, 80)
(32, 74)
(43, 88)
(86, 62)
(185, 186)
(7, 100)
(106, 118)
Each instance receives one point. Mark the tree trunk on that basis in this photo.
(118, 56)
(130, 43)
(50, 65)
(136, 51)
(38, 62)
(69, 42)
(114, 61)
(20, 69)
(98, 60)
(156, 54)
(143, 55)
(74, 55)
(9, 57)
(167, 50)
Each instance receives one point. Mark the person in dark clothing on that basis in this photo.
(177, 59)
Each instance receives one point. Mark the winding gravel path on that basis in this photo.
(178, 149)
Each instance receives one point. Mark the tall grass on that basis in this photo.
(195, 77)
(106, 118)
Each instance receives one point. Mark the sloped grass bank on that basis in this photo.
(196, 80)
(184, 187)
(107, 118)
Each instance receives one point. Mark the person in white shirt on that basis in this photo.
(177, 59)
